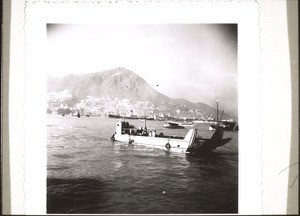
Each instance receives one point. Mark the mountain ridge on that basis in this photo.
(120, 83)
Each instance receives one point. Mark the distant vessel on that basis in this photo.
(76, 114)
(228, 125)
(114, 116)
(199, 121)
(173, 125)
(149, 118)
(225, 125)
(191, 143)
(133, 117)
(187, 124)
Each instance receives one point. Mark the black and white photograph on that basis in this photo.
(142, 118)
(149, 107)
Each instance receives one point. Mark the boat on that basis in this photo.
(199, 121)
(173, 125)
(227, 125)
(145, 118)
(135, 117)
(178, 125)
(187, 124)
(114, 116)
(149, 118)
(190, 143)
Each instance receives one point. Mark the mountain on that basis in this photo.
(116, 83)
(121, 83)
(204, 107)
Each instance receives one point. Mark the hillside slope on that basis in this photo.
(119, 83)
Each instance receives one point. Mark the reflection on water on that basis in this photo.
(87, 173)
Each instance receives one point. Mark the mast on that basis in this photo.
(221, 115)
(217, 111)
(145, 119)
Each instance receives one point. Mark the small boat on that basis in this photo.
(135, 117)
(199, 121)
(149, 118)
(146, 118)
(187, 124)
(223, 124)
(173, 125)
(190, 143)
(114, 116)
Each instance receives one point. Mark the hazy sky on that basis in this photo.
(193, 61)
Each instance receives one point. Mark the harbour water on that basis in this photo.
(88, 173)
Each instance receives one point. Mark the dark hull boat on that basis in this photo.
(227, 126)
(114, 116)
